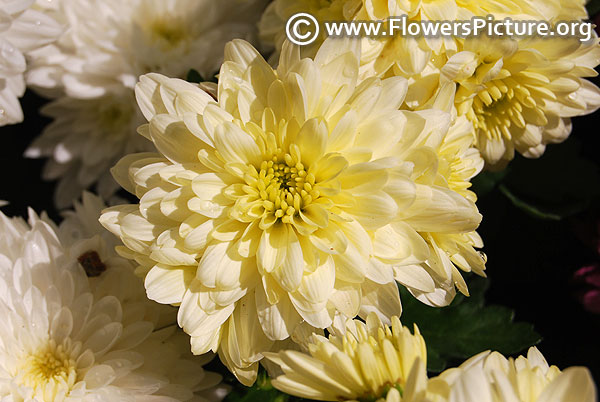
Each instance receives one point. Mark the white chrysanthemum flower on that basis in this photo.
(490, 377)
(127, 39)
(97, 61)
(361, 362)
(290, 198)
(86, 138)
(82, 223)
(22, 30)
(65, 338)
(86, 241)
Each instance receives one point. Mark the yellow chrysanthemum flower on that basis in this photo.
(407, 56)
(457, 163)
(371, 362)
(491, 377)
(364, 362)
(519, 94)
(293, 196)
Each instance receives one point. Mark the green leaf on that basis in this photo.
(466, 327)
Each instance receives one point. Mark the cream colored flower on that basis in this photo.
(128, 39)
(490, 377)
(457, 163)
(405, 56)
(369, 361)
(86, 138)
(95, 64)
(81, 222)
(520, 95)
(22, 30)
(65, 337)
(288, 199)
(86, 241)
(400, 55)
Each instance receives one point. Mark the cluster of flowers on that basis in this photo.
(287, 199)
(76, 322)
(373, 362)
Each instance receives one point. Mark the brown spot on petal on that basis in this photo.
(91, 263)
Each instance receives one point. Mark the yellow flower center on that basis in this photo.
(51, 365)
(502, 104)
(170, 30)
(282, 186)
(114, 116)
(275, 191)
